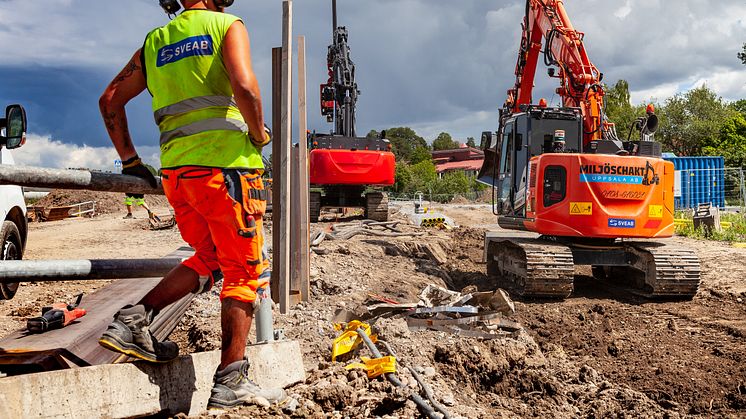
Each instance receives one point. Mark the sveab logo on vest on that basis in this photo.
(190, 47)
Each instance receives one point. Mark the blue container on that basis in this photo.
(700, 180)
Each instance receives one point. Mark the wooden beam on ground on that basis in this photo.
(282, 263)
(140, 389)
(304, 226)
(277, 202)
(77, 344)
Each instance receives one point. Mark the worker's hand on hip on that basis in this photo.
(134, 167)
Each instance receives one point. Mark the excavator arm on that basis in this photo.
(547, 25)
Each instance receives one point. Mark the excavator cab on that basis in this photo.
(521, 137)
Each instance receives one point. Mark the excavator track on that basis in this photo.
(665, 270)
(531, 267)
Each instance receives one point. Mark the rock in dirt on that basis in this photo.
(334, 395)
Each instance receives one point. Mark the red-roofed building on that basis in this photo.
(466, 159)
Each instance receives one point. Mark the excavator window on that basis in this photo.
(555, 185)
(506, 155)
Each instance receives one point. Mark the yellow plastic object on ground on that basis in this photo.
(375, 367)
(349, 339)
(739, 245)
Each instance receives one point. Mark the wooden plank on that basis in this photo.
(277, 202)
(77, 344)
(304, 222)
(282, 264)
(296, 251)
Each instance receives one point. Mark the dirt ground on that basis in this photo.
(603, 352)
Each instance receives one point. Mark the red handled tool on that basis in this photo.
(56, 316)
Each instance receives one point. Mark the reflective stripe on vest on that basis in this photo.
(204, 125)
(193, 104)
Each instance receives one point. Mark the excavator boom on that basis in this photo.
(546, 24)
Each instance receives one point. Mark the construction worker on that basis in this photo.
(136, 199)
(208, 107)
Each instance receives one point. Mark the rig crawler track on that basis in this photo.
(664, 270)
(544, 268)
(532, 267)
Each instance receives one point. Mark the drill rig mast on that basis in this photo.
(339, 94)
(344, 167)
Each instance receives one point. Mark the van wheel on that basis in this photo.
(11, 250)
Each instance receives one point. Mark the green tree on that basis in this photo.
(373, 134)
(444, 141)
(619, 109)
(420, 154)
(452, 183)
(471, 142)
(423, 176)
(403, 177)
(731, 141)
(742, 54)
(692, 121)
(739, 106)
(404, 141)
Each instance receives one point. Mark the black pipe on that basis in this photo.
(393, 379)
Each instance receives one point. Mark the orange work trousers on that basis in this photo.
(219, 213)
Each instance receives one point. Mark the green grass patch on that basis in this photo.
(735, 233)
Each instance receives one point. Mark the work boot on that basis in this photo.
(233, 387)
(128, 216)
(129, 334)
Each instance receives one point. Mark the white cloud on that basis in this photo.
(624, 11)
(432, 64)
(469, 125)
(42, 151)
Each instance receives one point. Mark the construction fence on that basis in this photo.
(721, 187)
(483, 196)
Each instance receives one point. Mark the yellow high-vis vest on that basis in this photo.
(193, 101)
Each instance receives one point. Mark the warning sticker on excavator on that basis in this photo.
(581, 208)
(655, 211)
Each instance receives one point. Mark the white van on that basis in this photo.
(14, 229)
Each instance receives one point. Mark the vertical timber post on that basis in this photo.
(296, 251)
(304, 226)
(277, 202)
(285, 148)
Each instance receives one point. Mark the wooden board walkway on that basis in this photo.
(77, 344)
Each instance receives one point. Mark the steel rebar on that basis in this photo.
(39, 177)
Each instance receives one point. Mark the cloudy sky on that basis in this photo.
(434, 65)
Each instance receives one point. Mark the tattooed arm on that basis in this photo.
(129, 83)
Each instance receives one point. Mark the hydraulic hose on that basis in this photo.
(426, 409)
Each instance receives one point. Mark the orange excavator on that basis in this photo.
(562, 172)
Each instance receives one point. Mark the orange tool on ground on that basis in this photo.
(56, 316)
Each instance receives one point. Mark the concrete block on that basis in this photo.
(140, 389)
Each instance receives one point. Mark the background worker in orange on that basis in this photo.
(208, 107)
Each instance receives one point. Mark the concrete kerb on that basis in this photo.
(140, 389)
